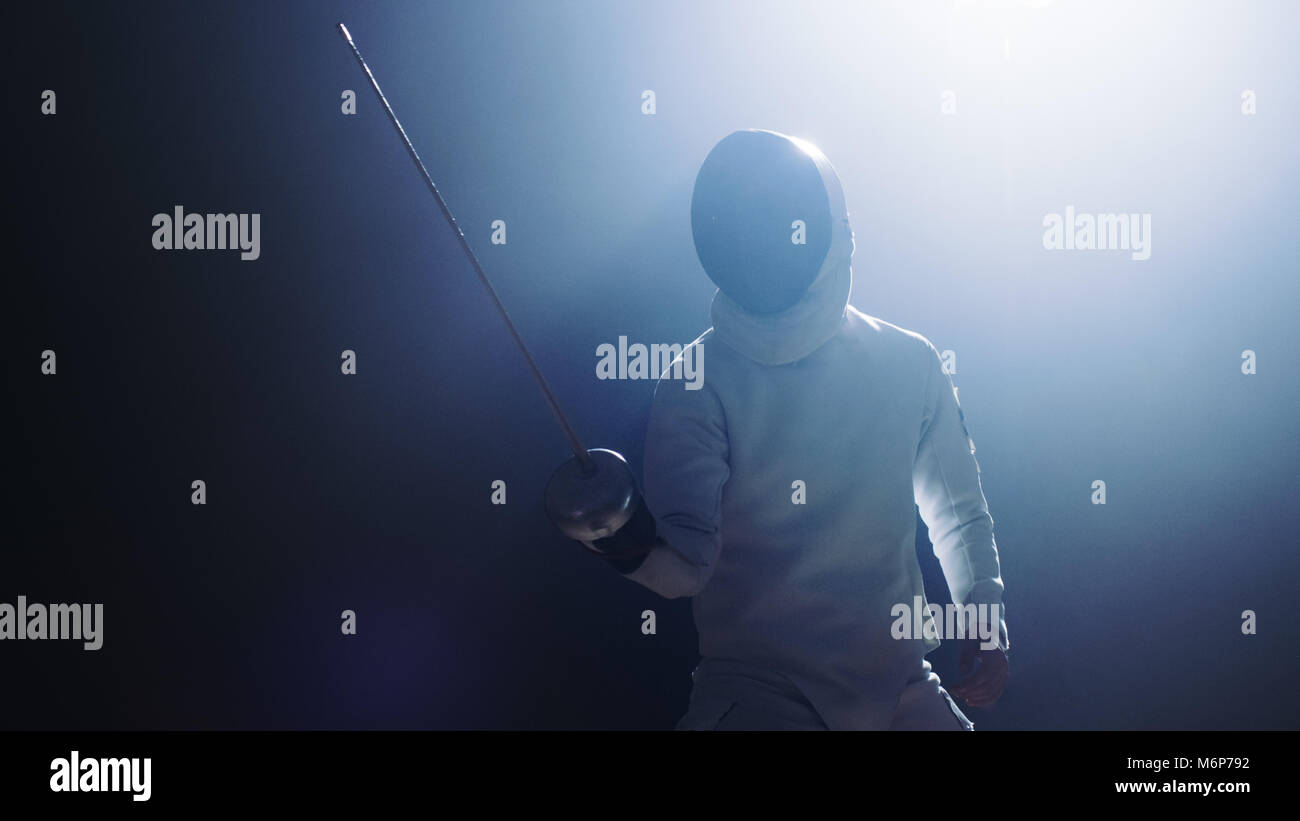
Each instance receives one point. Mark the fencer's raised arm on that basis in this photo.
(946, 482)
(685, 471)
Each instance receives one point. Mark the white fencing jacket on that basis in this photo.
(861, 413)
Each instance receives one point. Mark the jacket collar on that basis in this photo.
(792, 334)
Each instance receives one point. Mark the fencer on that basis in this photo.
(793, 597)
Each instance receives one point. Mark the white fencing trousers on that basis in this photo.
(731, 696)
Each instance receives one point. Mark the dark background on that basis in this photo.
(371, 492)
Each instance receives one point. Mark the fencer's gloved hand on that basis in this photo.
(985, 669)
(627, 548)
(598, 505)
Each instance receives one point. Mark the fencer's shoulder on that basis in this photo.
(680, 372)
(882, 334)
(709, 341)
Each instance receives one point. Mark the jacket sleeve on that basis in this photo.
(685, 470)
(946, 482)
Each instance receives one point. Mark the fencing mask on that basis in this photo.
(762, 217)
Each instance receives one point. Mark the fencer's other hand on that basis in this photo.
(986, 672)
